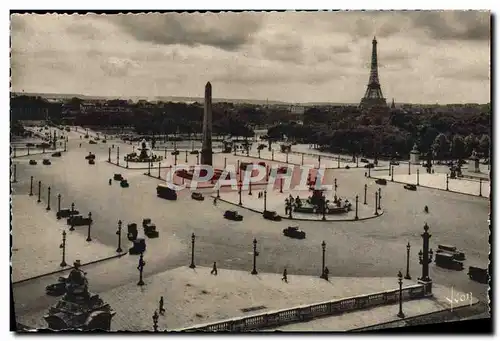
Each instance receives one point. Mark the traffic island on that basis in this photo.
(37, 242)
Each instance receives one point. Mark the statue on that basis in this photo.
(77, 284)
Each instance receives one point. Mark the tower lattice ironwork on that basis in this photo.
(373, 95)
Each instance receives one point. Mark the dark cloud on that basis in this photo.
(227, 32)
(454, 25)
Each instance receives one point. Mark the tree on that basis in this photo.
(441, 146)
(457, 148)
(471, 143)
(484, 145)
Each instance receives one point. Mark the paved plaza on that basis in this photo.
(369, 248)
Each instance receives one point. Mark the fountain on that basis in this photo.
(145, 154)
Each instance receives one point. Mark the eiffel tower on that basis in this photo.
(373, 95)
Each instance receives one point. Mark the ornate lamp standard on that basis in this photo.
(400, 281)
(254, 270)
(159, 169)
(265, 200)
(447, 181)
(323, 247)
(88, 229)
(418, 177)
(58, 206)
(323, 201)
(425, 258)
(193, 237)
(366, 187)
(407, 276)
(39, 191)
(376, 199)
(72, 213)
(392, 174)
(480, 186)
(379, 197)
(119, 234)
(63, 247)
(356, 216)
(140, 267)
(48, 199)
(31, 186)
(109, 154)
(239, 193)
(118, 155)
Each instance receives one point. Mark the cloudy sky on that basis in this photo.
(424, 57)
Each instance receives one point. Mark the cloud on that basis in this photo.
(228, 32)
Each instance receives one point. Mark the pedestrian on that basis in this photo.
(214, 269)
(326, 272)
(110, 182)
(162, 310)
(284, 278)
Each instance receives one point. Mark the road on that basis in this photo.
(374, 247)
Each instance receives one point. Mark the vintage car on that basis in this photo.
(117, 177)
(197, 196)
(347, 167)
(271, 215)
(165, 192)
(233, 215)
(175, 152)
(132, 231)
(138, 247)
(56, 154)
(86, 136)
(33, 162)
(91, 162)
(90, 156)
(478, 274)
(65, 213)
(149, 228)
(458, 255)
(410, 187)
(294, 232)
(446, 260)
(92, 142)
(46, 162)
(369, 165)
(124, 183)
(103, 141)
(78, 220)
(364, 160)
(194, 152)
(381, 182)
(58, 288)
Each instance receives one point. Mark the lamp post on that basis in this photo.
(149, 167)
(31, 186)
(366, 187)
(155, 321)
(357, 161)
(39, 191)
(480, 186)
(65, 146)
(88, 229)
(409, 167)
(425, 258)
(369, 171)
(159, 169)
(119, 234)
(272, 155)
(239, 193)
(319, 161)
(323, 247)
(193, 237)
(140, 267)
(376, 199)
(407, 276)
(250, 185)
(28, 150)
(126, 160)
(265, 200)
(324, 207)
(379, 197)
(63, 247)
(72, 227)
(338, 162)
(356, 216)
(281, 185)
(418, 177)
(400, 281)
(254, 270)
(58, 206)
(390, 168)
(118, 155)
(447, 181)
(109, 154)
(392, 174)
(302, 159)
(48, 199)
(186, 159)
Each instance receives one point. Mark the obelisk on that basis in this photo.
(206, 147)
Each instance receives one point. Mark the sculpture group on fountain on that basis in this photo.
(145, 154)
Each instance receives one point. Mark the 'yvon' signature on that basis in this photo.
(458, 298)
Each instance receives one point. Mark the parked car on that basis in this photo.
(103, 141)
(117, 177)
(175, 152)
(282, 170)
(364, 160)
(197, 196)
(233, 215)
(410, 187)
(370, 165)
(271, 215)
(78, 220)
(46, 162)
(381, 182)
(138, 247)
(165, 192)
(33, 162)
(56, 154)
(124, 183)
(347, 167)
(446, 260)
(132, 231)
(294, 232)
(65, 213)
(478, 274)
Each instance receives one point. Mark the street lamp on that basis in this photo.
(400, 281)
(72, 213)
(319, 161)
(409, 167)
(281, 185)
(149, 167)
(379, 197)
(140, 267)
(376, 199)
(48, 199)
(186, 160)
(39, 191)
(392, 174)
(31, 186)
(356, 216)
(119, 234)
(63, 247)
(323, 247)
(425, 258)
(480, 187)
(88, 229)
(250, 185)
(324, 206)
(447, 181)
(193, 237)
(302, 160)
(366, 187)
(418, 177)
(407, 276)
(118, 155)
(239, 193)
(58, 206)
(338, 162)
(254, 270)
(265, 200)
